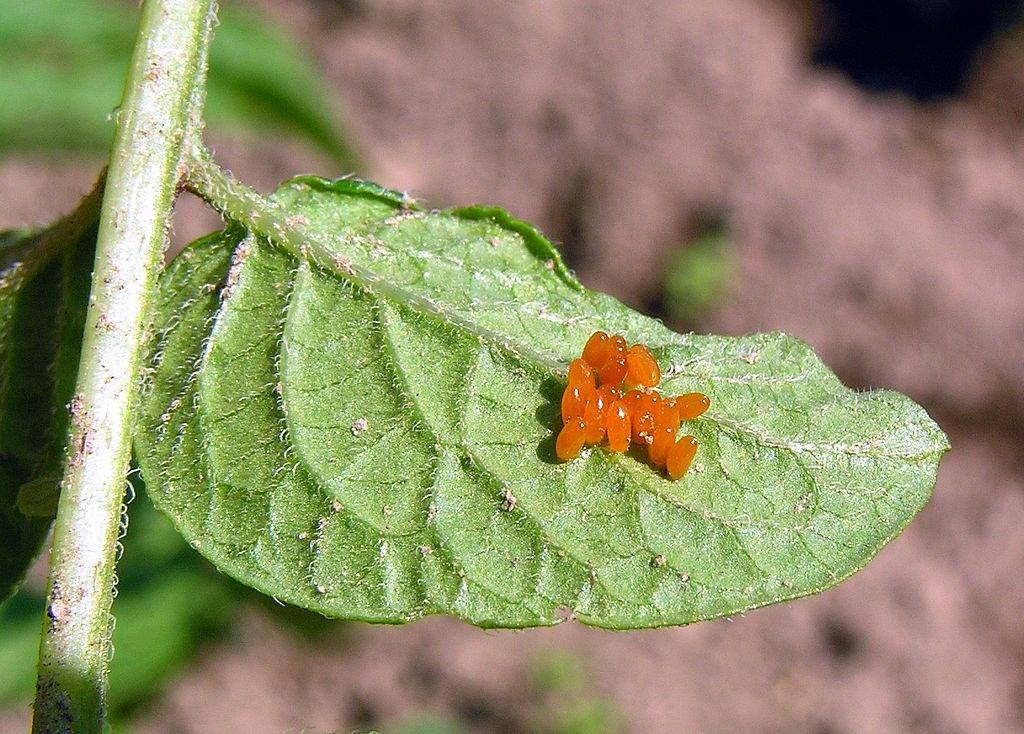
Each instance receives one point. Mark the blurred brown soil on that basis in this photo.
(887, 234)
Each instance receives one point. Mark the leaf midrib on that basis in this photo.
(320, 255)
(271, 221)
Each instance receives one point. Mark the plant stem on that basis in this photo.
(159, 113)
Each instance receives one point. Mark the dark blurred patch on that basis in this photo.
(362, 713)
(479, 714)
(924, 48)
(568, 217)
(422, 675)
(840, 640)
(337, 12)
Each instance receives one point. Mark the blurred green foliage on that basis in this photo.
(567, 704)
(168, 603)
(698, 274)
(558, 671)
(586, 716)
(560, 701)
(63, 65)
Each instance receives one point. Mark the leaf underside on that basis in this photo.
(379, 446)
(42, 312)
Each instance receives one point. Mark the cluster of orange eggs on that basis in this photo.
(611, 395)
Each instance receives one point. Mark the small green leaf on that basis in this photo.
(370, 434)
(44, 286)
(64, 63)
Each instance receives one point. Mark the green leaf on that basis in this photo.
(64, 62)
(44, 286)
(370, 435)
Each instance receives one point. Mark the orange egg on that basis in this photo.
(692, 404)
(573, 400)
(630, 399)
(661, 442)
(597, 349)
(581, 374)
(570, 439)
(641, 367)
(595, 409)
(613, 371)
(644, 415)
(680, 456)
(606, 395)
(593, 418)
(617, 427)
(669, 414)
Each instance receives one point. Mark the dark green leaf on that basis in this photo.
(373, 438)
(38, 498)
(64, 63)
(44, 286)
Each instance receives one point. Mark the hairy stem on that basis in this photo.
(157, 116)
